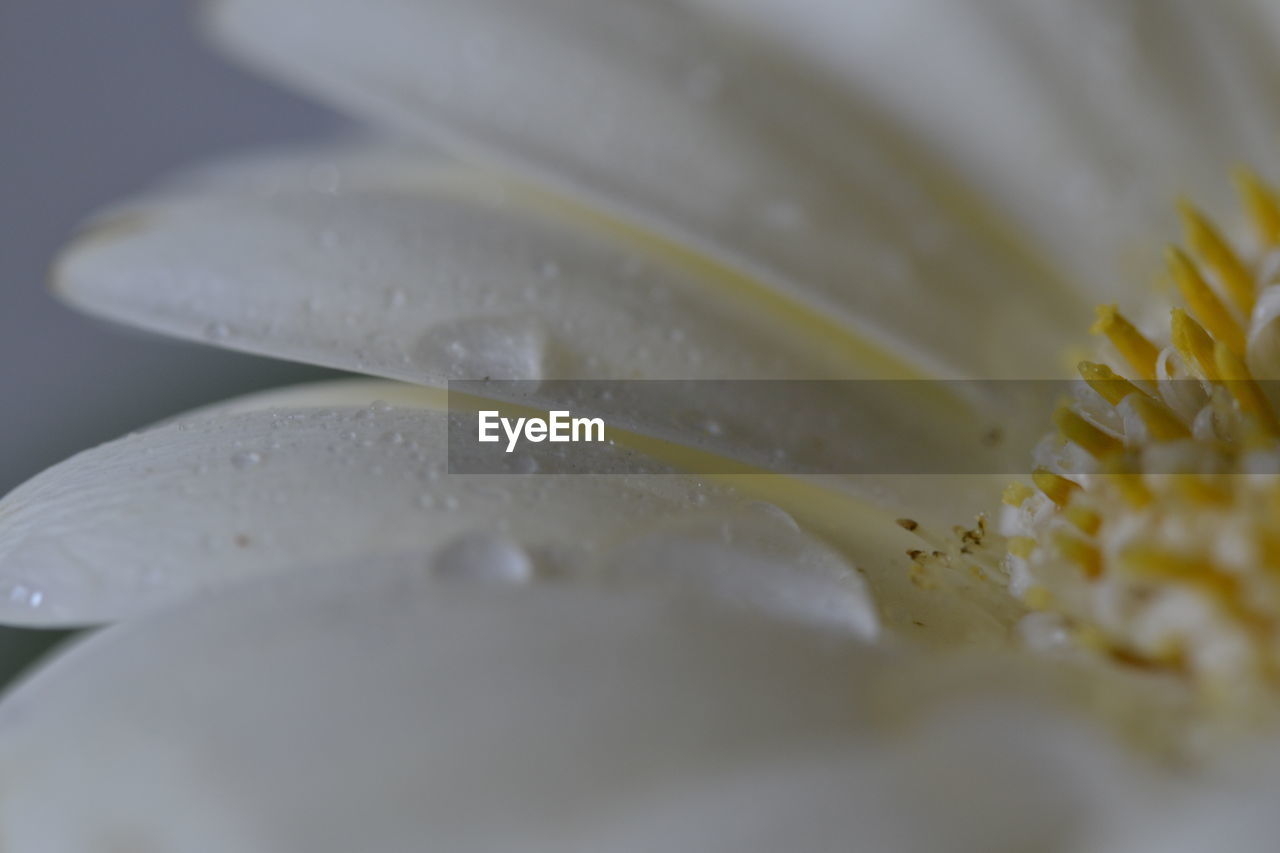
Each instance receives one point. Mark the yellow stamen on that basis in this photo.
(1058, 489)
(1085, 520)
(1168, 509)
(1148, 561)
(1131, 486)
(1204, 303)
(1194, 344)
(1111, 386)
(1161, 423)
(1256, 435)
(1261, 204)
(1077, 429)
(1196, 490)
(1037, 598)
(1016, 494)
(1246, 392)
(1079, 552)
(1219, 256)
(1124, 336)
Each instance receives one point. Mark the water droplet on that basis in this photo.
(525, 465)
(21, 593)
(1044, 632)
(549, 270)
(775, 512)
(485, 347)
(217, 331)
(397, 298)
(245, 459)
(484, 557)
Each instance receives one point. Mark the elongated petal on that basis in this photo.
(371, 706)
(1085, 119)
(1010, 781)
(423, 271)
(670, 122)
(1231, 810)
(427, 271)
(249, 489)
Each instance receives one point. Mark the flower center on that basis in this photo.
(1152, 531)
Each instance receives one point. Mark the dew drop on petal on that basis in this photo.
(396, 298)
(1044, 632)
(774, 512)
(498, 348)
(24, 594)
(217, 331)
(483, 557)
(245, 459)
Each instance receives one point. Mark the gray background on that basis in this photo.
(96, 98)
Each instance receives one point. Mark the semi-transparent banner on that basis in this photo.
(815, 427)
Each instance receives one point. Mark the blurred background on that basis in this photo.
(96, 99)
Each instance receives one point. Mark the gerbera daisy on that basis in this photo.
(326, 641)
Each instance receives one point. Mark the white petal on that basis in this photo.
(427, 271)
(319, 714)
(351, 161)
(1007, 781)
(665, 120)
(431, 273)
(736, 557)
(1232, 809)
(248, 489)
(1084, 119)
(334, 393)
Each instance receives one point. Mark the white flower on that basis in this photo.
(719, 189)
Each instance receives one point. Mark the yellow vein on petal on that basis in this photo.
(833, 340)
